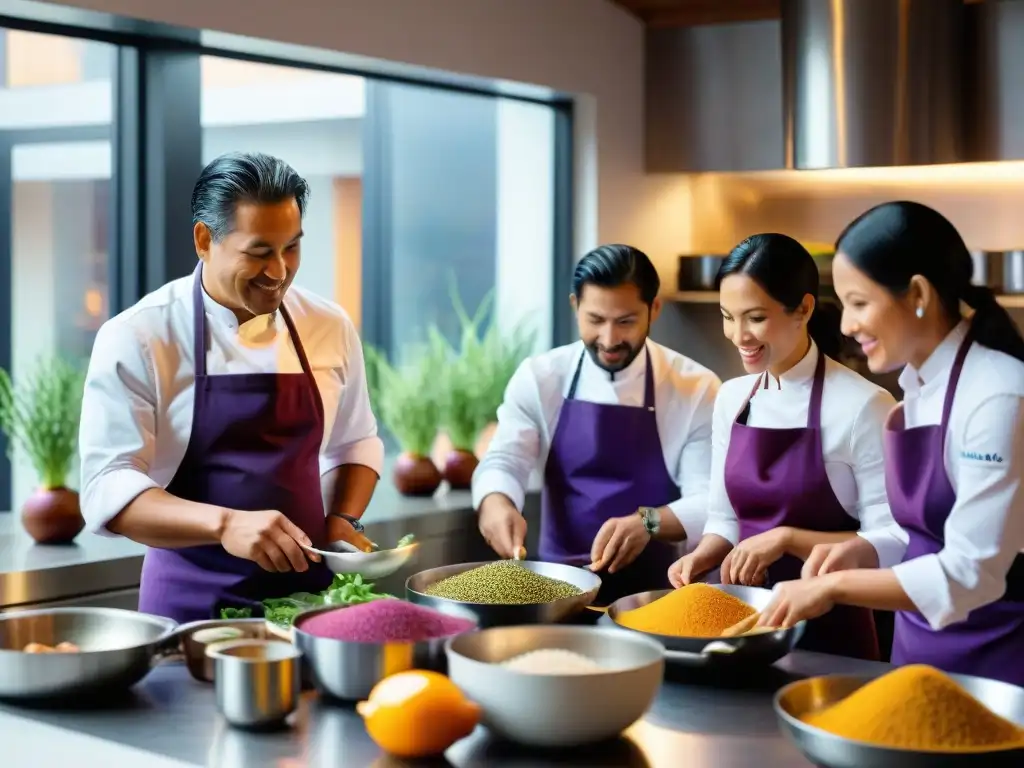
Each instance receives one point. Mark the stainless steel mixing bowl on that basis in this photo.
(257, 681)
(372, 565)
(194, 645)
(117, 649)
(761, 649)
(348, 671)
(830, 751)
(496, 615)
(557, 710)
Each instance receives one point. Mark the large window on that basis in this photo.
(463, 188)
(56, 96)
(419, 191)
(314, 121)
(455, 190)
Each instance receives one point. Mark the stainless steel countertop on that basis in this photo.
(696, 721)
(33, 573)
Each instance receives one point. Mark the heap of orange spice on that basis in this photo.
(918, 707)
(696, 610)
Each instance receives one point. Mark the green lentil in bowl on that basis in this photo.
(505, 582)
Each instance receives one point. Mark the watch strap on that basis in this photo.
(651, 520)
(354, 522)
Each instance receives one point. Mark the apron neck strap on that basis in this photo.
(954, 378)
(817, 389)
(199, 334)
(648, 379)
(199, 324)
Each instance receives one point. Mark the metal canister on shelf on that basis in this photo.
(698, 272)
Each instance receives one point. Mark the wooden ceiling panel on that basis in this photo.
(682, 13)
(676, 13)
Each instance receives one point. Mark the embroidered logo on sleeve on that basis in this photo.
(991, 458)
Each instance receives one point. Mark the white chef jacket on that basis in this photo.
(137, 409)
(684, 394)
(984, 460)
(853, 411)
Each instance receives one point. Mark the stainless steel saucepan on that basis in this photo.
(116, 649)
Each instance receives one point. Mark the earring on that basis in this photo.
(919, 312)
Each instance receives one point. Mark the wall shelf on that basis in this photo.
(1010, 301)
(694, 297)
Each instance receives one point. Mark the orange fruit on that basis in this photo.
(417, 714)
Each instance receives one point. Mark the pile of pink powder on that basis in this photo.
(386, 620)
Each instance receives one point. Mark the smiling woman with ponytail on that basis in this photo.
(796, 445)
(954, 453)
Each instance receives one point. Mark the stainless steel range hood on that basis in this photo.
(872, 82)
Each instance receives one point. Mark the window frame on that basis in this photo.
(157, 92)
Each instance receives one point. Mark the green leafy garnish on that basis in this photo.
(350, 589)
(236, 613)
(405, 541)
(345, 589)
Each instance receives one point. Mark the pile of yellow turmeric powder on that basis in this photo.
(917, 707)
(695, 610)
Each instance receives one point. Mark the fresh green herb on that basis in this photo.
(283, 610)
(345, 589)
(405, 541)
(236, 613)
(406, 399)
(472, 377)
(350, 589)
(42, 415)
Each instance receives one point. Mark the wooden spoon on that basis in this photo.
(747, 627)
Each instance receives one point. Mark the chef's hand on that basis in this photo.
(269, 539)
(618, 543)
(799, 600)
(502, 525)
(685, 570)
(857, 552)
(709, 553)
(340, 529)
(748, 561)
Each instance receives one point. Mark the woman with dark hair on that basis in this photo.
(226, 423)
(953, 453)
(796, 444)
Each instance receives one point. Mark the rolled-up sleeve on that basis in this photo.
(721, 515)
(515, 448)
(985, 529)
(117, 434)
(867, 456)
(694, 469)
(889, 542)
(353, 438)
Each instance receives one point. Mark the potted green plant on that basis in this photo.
(461, 387)
(405, 400)
(473, 381)
(42, 415)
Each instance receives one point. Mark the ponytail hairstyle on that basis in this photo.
(787, 273)
(893, 242)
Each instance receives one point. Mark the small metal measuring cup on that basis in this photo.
(257, 681)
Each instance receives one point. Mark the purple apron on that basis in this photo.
(777, 477)
(605, 461)
(990, 642)
(254, 445)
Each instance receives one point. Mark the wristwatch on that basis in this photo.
(356, 525)
(651, 518)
